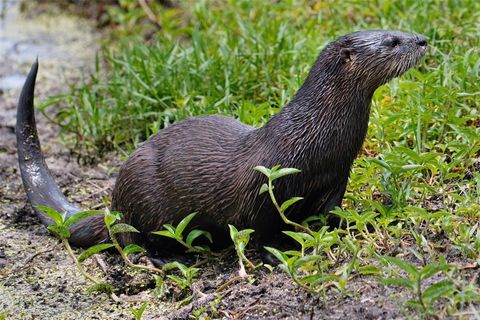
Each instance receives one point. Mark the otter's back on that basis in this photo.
(175, 172)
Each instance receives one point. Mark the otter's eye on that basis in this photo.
(391, 42)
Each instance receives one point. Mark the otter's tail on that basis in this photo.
(38, 182)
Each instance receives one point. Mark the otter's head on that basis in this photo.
(374, 57)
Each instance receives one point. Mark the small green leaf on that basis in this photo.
(56, 216)
(410, 167)
(133, 248)
(401, 282)
(409, 268)
(174, 265)
(278, 254)
(110, 217)
(183, 224)
(138, 313)
(316, 279)
(275, 168)
(245, 232)
(351, 245)
(289, 202)
(182, 283)
(121, 228)
(307, 259)
(164, 233)
(263, 170)
(283, 172)
(382, 163)
(242, 237)
(93, 249)
(292, 253)
(263, 189)
(80, 216)
(197, 233)
(368, 270)
(300, 237)
(414, 304)
(61, 230)
(269, 267)
(438, 290)
(431, 269)
(233, 232)
(170, 228)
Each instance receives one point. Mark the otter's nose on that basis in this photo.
(421, 41)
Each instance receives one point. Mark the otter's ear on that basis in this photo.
(346, 54)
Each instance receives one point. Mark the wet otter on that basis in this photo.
(205, 164)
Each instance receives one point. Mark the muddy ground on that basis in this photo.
(37, 278)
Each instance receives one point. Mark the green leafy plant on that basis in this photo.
(61, 228)
(177, 234)
(306, 267)
(424, 297)
(273, 174)
(138, 313)
(183, 280)
(114, 229)
(240, 241)
(205, 313)
(188, 274)
(312, 268)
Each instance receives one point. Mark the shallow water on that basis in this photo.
(12, 81)
(58, 39)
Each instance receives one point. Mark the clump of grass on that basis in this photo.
(247, 58)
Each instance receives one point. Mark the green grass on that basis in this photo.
(417, 182)
(247, 59)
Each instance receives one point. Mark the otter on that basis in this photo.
(205, 164)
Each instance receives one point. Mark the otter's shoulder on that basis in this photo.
(215, 119)
(212, 122)
(202, 128)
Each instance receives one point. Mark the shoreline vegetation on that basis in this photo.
(409, 245)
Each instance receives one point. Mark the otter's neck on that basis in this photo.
(324, 125)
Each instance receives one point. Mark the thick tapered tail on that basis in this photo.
(38, 182)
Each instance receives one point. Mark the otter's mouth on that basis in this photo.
(409, 61)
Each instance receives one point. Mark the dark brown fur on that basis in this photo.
(205, 164)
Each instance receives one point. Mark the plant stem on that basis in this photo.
(244, 258)
(228, 283)
(128, 261)
(79, 266)
(191, 248)
(282, 214)
(419, 293)
(242, 271)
